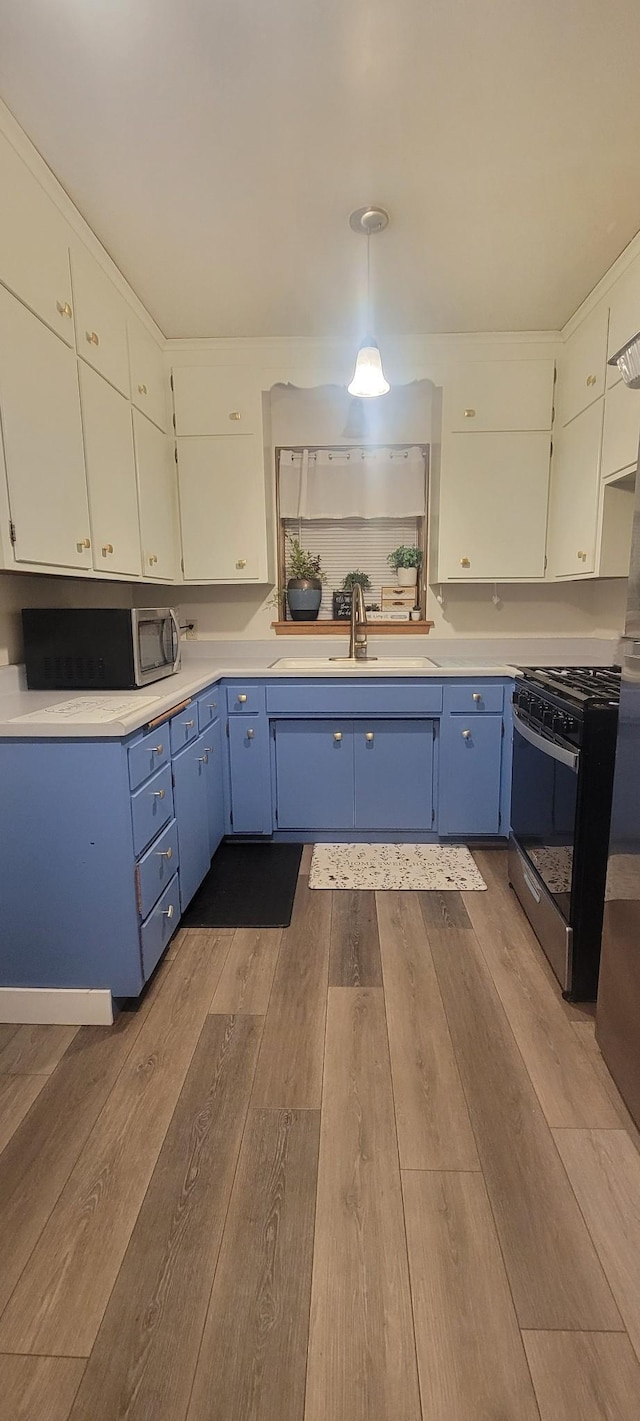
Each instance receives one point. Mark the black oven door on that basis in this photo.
(544, 800)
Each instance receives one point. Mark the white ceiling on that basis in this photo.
(217, 146)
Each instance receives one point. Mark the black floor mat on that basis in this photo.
(247, 886)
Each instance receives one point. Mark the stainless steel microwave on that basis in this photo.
(99, 648)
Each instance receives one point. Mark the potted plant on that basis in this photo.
(342, 598)
(304, 583)
(405, 562)
(353, 578)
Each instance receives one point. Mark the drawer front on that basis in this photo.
(151, 809)
(208, 704)
(184, 727)
(148, 755)
(473, 698)
(156, 868)
(244, 700)
(326, 698)
(159, 927)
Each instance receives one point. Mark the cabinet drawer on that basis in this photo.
(243, 700)
(473, 698)
(184, 727)
(208, 704)
(151, 809)
(327, 698)
(159, 927)
(156, 868)
(148, 755)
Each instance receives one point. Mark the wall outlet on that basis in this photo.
(191, 633)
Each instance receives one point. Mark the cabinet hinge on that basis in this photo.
(227, 730)
(550, 448)
(12, 532)
(433, 814)
(182, 565)
(275, 816)
(171, 379)
(555, 374)
(546, 561)
(174, 424)
(499, 819)
(175, 452)
(231, 817)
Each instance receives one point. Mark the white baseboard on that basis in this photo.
(56, 1006)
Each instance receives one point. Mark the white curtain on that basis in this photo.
(352, 483)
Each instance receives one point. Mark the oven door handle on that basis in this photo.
(548, 747)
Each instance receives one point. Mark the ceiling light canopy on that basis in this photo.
(368, 377)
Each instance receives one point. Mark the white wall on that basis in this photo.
(26, 589)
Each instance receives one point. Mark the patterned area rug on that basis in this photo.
(412, 866)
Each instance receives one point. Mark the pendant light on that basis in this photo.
(368, 377)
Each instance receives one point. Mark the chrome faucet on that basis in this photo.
(358, 632)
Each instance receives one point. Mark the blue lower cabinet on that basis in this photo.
(470, 774)
(215, 801)
(156, 867)
(249, 773)
(394, 774)
(159, 927)
(191, 799)
(314, 774)
(151, 808)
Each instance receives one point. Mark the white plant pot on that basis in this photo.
(407, 576)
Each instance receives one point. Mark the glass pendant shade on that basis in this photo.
(368, 376)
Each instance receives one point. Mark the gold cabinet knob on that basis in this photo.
(242, 699)
(464, 562)
(153, 558)
(158, 749)
(250, 734)
(582, 555)
(164, 853)
(142, 390)
(168, 912)
(64, 308)
(158, 793)
(591, 380)
(235, 414)
(107, 549)
(337, 735)
(476, 696)
(369, 736)
(83, 544)
(242, 562)
(92, 337)
(469, 414)
(466, 735)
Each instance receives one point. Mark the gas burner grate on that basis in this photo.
(588, 684)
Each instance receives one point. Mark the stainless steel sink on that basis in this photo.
(380, 663)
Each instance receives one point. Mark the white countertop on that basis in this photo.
(113, 714)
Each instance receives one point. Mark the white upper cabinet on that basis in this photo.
(493, 507)
(500, 395)
(158, 501)
(575, 494)
(149, 379)
(621, 429)
(42, 434)
(624, 317)
(111, 476)
(34, 245)
(582, 366)
(100, 320)
(210, 400)
(222, 509)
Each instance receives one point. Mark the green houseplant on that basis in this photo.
(304, 582)
(352, 580)
(405, 562)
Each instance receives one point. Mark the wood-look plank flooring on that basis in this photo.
(369, 1168)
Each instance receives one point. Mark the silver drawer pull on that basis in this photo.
(168, 912)
(189, 724)
(208, 749)
(158, 749)
(466, 735)
(203, 759)
(158, 793)
(476, 696)
(250, 734)
(164, 853)
(213, 705)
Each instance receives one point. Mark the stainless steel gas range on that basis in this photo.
(564, 723)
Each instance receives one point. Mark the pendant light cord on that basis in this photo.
(368, 283)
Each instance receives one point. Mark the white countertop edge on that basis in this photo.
(186, 684)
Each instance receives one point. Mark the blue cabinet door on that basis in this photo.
(314, 774)
(215, 803)
(393, 774)
(470, 774)
(190, 794)
(249, 774)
